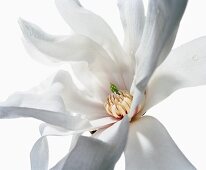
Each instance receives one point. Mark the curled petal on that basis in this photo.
(58, 94)
(77, 100)
(150, 146)
(39, 155)
(65, 48)
(89, 24)
(74, 48)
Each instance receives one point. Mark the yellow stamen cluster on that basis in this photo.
(118, 104)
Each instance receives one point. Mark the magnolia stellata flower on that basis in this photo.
(118, 85)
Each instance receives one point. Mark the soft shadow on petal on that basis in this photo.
(150, 147)
(159, 33)
(101, 153)
(65, 48)
(162, 21)
(96, 83)
(86, 23)
(132, 17)
(77, 100)
(97, 87)
(60, 119)
(184, 67)
(43, 46)
(77, 127)
(39, 156)
(59, 94)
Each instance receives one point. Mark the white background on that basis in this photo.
(185, 109)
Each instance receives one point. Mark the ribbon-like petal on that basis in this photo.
(133, 18)
(86, 23)
(160, 29)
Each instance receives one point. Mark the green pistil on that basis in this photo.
(114, 89)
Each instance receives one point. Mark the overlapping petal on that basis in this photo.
(80, 127)
(150, 147)
(77, 100)
(66, 109)
(97, 87)
(101, 153)
(184, 67)
(39, 155)
(160, 29)
(59, 94)
(67, 48)
(74, 48)
(162, 21)
(86, 23)
(61, 119)
(132, 17)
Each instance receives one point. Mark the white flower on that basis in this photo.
(98, 60)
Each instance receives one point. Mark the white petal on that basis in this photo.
(61, 163)
(160, 29)
(93, 154)
(97, 83)
(97, 86)
(150, 147)
(162, 21)
(66, 48)
(59, 94)
(184, 67)
(132, 17)
(77, 127)
(60, 119)
(39, 155)
(89, 24)
(77, 100)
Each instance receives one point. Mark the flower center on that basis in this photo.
(118, 102)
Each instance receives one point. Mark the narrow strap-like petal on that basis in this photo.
(63, 120)
(160, 29)
(162, 21)
(101, 153)
(184, 67)
(86, 23)
(80, 127)
(65, 48)
(150, 147)
(132, 17)
(39, 155)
